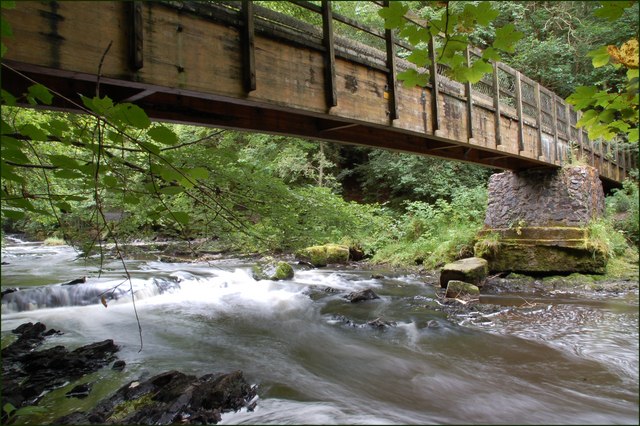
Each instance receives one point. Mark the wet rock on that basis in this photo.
(323, 255)
(359, 296)
(8, 290)
(118, 365)
(28, 374)
(171, 397)
(80, 280)
(457, 288)
(471, 270)
(380, 323)
(270, 269)
(80, 391)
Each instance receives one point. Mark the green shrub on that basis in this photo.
(623, 211)
(433, 234)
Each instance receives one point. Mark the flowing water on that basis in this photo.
(566, 359)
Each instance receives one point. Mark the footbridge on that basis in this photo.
(238, 65)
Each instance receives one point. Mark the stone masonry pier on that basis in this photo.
(537, 221)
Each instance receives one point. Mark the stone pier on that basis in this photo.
(537, 221)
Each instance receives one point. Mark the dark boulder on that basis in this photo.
(359, 296)
(171, 397)
(28, 374)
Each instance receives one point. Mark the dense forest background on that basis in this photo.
(112, 175)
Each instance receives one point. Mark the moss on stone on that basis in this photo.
(324, 255)
(284, 271)
(542, 258)
(126, 408)
(456, 288)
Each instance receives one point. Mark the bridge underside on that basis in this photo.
(181, 106)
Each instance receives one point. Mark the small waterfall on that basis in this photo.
(54, 296)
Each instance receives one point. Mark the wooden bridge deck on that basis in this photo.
(248, 68)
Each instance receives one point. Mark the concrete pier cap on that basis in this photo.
(537, 221)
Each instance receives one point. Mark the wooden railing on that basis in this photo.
(506, 91)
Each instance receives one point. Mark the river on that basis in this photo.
(568, 359)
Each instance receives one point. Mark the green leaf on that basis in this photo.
(394, 14)
(632, 73)
(131, 199)
(63, 161)
(506, 37)
(41, 93)
(611, 10)
(15, 215)
(110, 181)
(8, 4)
(57, 127)
(168, 174)
(64, 206)
(588, 118)
(412, 78)
(149, 147)
(484, 13)
(582, 97)
(490, 54)
(163, 135)
(171, 190)
(5, 128)
(67, 174)
(8, 98)
(198, 173)
(135, 116)
(479, 68)
(415, 34)
(181, 217)
(13, 154)
(599, 57)
(6, 171)
(633, 135)
(419, 57)
(33, 132)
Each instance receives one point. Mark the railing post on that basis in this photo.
(433, 76)
(567, 117)
(136, 52)
(248, 47)
(592, 149)
(391, 65)
(519, 112)
(331, 94)
(616, 149)
(539, 120)
(496, 104)
(579, 131)
(469, 95)
(555, 128)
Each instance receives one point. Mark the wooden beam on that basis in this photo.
(248, 47)
(468, 94)
(391, 64)
(136, 46)
(433, 77)
(519, 112)
(337, 127)
(496, 104)
(331, 93)
(555, 129)
(139, 95)
(539, 120)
